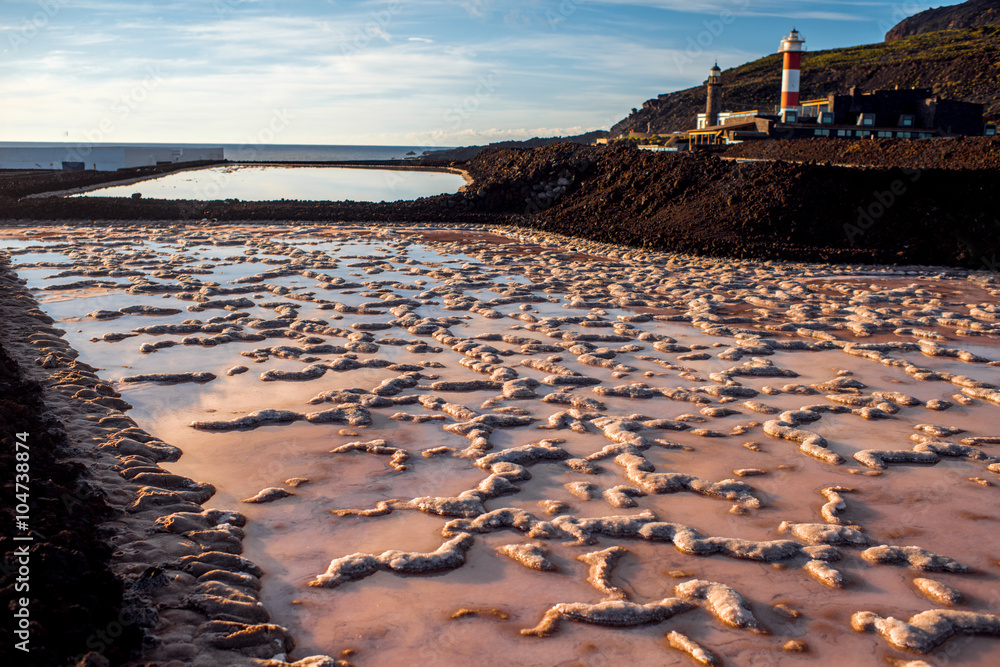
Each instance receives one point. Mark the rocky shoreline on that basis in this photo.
(124, 559)
(71, 587)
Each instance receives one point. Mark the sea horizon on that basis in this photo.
(241, 152)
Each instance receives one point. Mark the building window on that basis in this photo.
(884, 134)
(821, 133)
(843, 133)
(903, 135)
(813, 110)
(906, 120)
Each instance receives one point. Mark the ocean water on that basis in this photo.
(305, 153)
(264, 152)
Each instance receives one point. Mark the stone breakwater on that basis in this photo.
(535, 446)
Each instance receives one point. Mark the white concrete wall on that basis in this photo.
(101, 158)
(104, 158)
(194, 154)
(147, 156)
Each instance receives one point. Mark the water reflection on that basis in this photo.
(269, 183)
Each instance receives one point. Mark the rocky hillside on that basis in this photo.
(966, 15)
(469, 152)
(958, 64)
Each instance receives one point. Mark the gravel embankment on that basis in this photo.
(944, 153)
(75, 604)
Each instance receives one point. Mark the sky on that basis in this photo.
(380, 72)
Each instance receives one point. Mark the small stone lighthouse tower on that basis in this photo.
(714, 104)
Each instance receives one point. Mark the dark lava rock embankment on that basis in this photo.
(774, 210)
(75, 603)
(941, 153)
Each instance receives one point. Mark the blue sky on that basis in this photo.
(395, 72)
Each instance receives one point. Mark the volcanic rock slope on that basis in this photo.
(966, 15)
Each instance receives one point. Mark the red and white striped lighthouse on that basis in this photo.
(791, 47)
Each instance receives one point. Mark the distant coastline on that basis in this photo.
(259, 152)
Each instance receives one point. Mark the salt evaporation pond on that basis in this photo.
(747, 456)
(271, 183)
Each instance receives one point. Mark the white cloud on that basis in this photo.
(783, 8)
(403, 89)
(459, 71)
(476, 8)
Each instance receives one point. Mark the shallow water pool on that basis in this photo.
(270, 183)
(659, 436)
